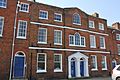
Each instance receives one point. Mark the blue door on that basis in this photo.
(19, 67)
(82, 68)
(73, 69)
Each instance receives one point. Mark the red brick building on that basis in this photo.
(43, 41)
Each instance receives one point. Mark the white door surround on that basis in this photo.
(78, 56)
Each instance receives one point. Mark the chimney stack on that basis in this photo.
(95, 15)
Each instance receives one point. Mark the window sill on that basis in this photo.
(57, 21)
(21, 37)
(94, 69)
(104, 69)
(41, 71)
(42, 42)
(57, 44)
(92, 47)
(102, 48)
(58, 71)
(24, 11)
(43, 18)
(3, 7)
(77, 24)
(77, 46)
(92, 27)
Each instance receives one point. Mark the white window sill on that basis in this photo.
(57, 21)
(94, 69)
(77, 45)
(104, 69)
(24, 11)
(91, 27)
(76, 24)
(3, 7)
(41, 71)
(21, 37)
(102, 48)
(58, 71)
(92, 46)
(57, 44)
(42, 42)
(43, 18)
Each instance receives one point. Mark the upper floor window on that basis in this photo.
(42, 35)
(94, 62)
(117, 36)
(91, 24)
(101, 26)
(58, 17)
(118, 46)
(3, 3)
(77, 40)
(104, 63)
(102, 42)
(57, 62)
(58, 37)
(43, 14)
(76, 19)
(22, 29)
(24, 7)
(1, 25)
(92, 41)
(41, 62)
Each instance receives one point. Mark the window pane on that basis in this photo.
(42, 35)
(3, 3)
(102, 40)
(43, 15)
(82, 41)
(76, 18)
(92, 41)
(41, 66)
(118, 45)
(22, 28)
(77, 39)
(24, 7)
(57, 17)
(41, 57)
(1, 25)
(71, 40)
(58, 37)
(57, 66)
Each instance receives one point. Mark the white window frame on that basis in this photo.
(81, 42)
(45, 35)
(2, 26)
(90, 21)
(103, 42)
(21, 37)
(73, 19)
(42, 71)
(58, 14)
(118, 49)
(61, 37)
(4, 6)
(42, 17)
(60, 70)
(21, 6)
(94, 38)
(117, 36)
(73, 40)
(105, 63)
(96, 66)
(101, 27)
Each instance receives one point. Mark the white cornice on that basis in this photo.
(55, 49)
(66, 27)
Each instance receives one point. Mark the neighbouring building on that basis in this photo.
(41, 41)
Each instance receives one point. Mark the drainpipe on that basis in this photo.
(13, 41)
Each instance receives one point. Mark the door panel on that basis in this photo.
(19, 67)
(82, 68)
(73, 69)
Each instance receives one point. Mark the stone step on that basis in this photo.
(19, 79)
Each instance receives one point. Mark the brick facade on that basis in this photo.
(30, 46)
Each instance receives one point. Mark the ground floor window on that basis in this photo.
(104, 63)
(57, 62)
(41, 62)
(94, 62)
